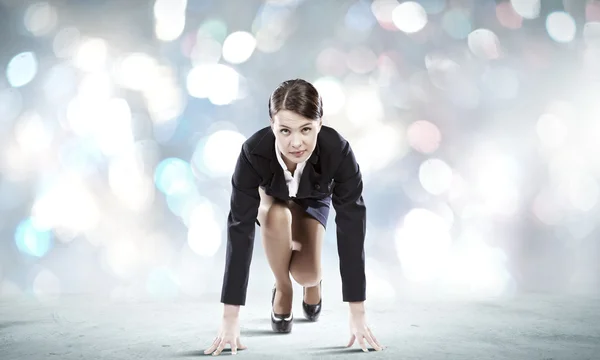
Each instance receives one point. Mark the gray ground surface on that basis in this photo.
(83, 327)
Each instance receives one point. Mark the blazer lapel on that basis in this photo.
(311, 175)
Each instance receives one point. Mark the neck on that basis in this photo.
(291, 166)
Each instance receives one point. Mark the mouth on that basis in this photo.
(298, 153)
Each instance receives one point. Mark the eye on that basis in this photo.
(284, 131)
(306, 129)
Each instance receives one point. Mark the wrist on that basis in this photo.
(357, 308)
(231, 311)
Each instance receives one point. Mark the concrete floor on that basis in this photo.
(527, 327)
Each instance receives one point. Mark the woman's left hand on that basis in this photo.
(361, 332)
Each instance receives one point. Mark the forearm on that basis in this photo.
(357, 308)
(231, 311)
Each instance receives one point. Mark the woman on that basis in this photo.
(286, 177)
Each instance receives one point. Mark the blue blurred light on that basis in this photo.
(31, 240)
(21, 69)
(360, 17)
(457, 24)
(433, 6)
(174, 176)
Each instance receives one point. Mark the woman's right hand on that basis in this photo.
(229, 333)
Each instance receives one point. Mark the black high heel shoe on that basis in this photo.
(312, 312)
(281, 323)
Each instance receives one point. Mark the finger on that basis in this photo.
(233, 348)
(240, 346)
(352, 338)
(372, 342)
(220, 348)
(375, 339)
(213, 346)
(363, 346)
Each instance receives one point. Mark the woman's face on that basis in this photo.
(296, 136)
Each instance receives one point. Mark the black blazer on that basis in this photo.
(331, 170)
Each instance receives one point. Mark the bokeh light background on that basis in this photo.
(476, 124)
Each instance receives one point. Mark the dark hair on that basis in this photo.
(298, 96)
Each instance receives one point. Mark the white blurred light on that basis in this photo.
(582, 191)
(114, 133)
(46, 285)
(66, 42)
(134, 71)
(66, 204)
(435, 176)
(551, 130)
(529, 9)
(128, 182)
(364, 107)
(165, 9)
(561, 26)
(169, 29)
(11, 103)
(40, 18)
(332, 94)
(95, 87)
(591, 33)
(32, 133)
(207, 50)
(484, 43)
(221, 151)
(383, 10)
(21, 69)
(123, 257)
(163, 97)
(422, 244)
(378, 146)
(238, 47)
(60, 83)
(219, 83)
(204, 235)
(91, 55)
(410, 17)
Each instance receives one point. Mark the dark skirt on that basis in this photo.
(318, 209)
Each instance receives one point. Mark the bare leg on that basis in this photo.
(305, 265)
(275, 222)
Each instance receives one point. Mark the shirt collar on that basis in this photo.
(299, 167)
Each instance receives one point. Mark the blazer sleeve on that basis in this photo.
(244, 204)
(351, 226)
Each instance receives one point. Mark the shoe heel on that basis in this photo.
(312, 312)
(280, 323)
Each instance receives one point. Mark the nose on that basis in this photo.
(296, 141)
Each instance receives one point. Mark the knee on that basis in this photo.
(307, 278)
(278, 218)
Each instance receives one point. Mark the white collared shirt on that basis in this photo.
(292, 181)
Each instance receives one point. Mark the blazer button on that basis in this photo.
(317, 186)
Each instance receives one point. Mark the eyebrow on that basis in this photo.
(301, 126)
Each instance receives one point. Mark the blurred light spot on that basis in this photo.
(507, 16)
(133, 71)
(219, 83)
(379, 287)
(378, 145)
(592, 11)
(332, 94)
(561, 26)
(484, 44)
(169, 8)
(173, 175)
(95, 87)
(433, 6)
(11, 104)
(33, 239)
(364, 107)
(32, 133)
(213, 29)
(435, 176)
(361, 60)
(272, 26)
(551, 130)
(218, 155)
(410, 17)
(383, 10)
(424, 136)
(46, 285)
(40, 18)
(546, 207)
(91, 55)
(128, 182)
(204, 235)
(502, 82)
(422, 244)
(582, 191)
(169, 19)
(238, 47)
(359, 16)
(162, 283)
(456, 23)
(66, 42)
(182, 203)
(164, 98)
(21, 69)
(65, 203)
(332, 62)
(123, 257)
(529, 9)
(443, 71)
(115, 134)
(206, 50)
(60, 83)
